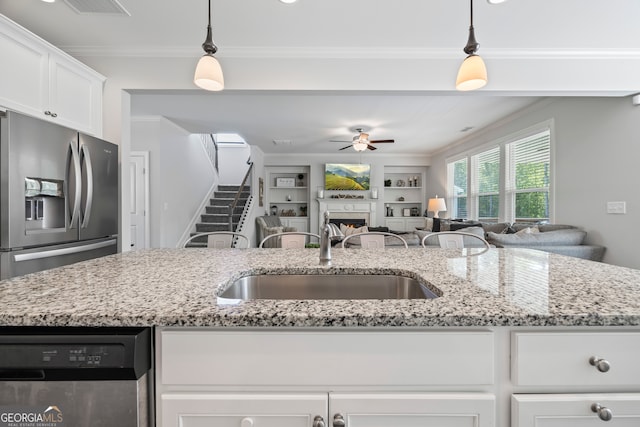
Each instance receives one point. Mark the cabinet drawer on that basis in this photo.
(291, 358)
(574, 410)
(563, 359)
(241, 410)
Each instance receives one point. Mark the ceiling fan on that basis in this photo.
(361, 141)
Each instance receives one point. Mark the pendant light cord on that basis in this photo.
(472, 45)
(208, 46)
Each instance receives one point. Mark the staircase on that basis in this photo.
(216, 216)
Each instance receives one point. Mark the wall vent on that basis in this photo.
(89, 7)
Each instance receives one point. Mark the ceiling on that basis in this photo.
(352, 35)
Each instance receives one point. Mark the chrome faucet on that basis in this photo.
(327, 234)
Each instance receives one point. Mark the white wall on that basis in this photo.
(180, 177)
(232, 163)
(596, 147)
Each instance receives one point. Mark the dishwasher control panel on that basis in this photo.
(62, 356)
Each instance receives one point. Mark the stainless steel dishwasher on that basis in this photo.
(76, 377)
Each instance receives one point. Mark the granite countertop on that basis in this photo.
(179, 287)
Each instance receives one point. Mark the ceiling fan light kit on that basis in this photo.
(472, 73)
(208, 73)
(361, 141)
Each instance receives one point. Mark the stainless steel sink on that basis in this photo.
(325, 287)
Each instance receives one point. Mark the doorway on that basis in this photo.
(139, 199)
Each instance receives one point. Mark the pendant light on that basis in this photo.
(473, 73)
(208, 74)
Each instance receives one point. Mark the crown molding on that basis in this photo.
(350, 53)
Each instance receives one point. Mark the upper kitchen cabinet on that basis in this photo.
(41, 80)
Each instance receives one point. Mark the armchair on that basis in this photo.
(267, 225)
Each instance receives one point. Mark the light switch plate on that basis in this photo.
(617, 207)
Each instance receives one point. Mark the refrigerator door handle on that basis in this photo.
(64, 251)
(84, 151)
(75, 161)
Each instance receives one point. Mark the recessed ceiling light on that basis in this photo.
(49, 1)
(496, 1)
(288, 1)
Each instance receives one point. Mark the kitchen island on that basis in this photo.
(515, 336)
(177, 287)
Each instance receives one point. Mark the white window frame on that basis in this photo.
(507, 200)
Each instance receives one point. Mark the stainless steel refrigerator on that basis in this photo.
(58, 195)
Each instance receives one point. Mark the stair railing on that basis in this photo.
(233, 204)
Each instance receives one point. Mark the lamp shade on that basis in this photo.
(208, 74)
(472, 74)
(436, 205)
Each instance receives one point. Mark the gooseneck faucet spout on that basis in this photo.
(328, 233)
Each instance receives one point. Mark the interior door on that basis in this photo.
(138, 199)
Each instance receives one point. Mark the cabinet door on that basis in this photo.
(75, 96)
(395, 224)
(301, 224)
(574, 410)
(413, 409)
(242, 410)
(23, 72)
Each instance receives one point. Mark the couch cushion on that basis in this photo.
(565, 237)
(495, 227)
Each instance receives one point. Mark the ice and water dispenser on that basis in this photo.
(44, 203)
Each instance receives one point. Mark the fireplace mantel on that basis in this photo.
(348, 208)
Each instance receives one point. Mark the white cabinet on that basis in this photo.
(404, 224)
(576, 410)
(243, 409)
(322, 409)
(412, 409)
(290, 377)
(555, 375)
(41, 80)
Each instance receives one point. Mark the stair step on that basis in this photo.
(233, 188)
(223, 210)
(205, 227)
(215, 217)
(226, 202)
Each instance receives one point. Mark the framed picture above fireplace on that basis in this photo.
(347, 176)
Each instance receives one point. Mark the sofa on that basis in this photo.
(561, 239)
(555, 238)
(270, 224)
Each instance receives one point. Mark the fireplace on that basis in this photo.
(349, 222)
(356, 212)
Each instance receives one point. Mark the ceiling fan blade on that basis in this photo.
(344, 148)
(376, 141)
(371, 147)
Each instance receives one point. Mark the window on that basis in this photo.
(457, 188)
(485, 184)
(528, 177)
(508, 182)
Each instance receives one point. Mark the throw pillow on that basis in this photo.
(529, 230)
(348, 231)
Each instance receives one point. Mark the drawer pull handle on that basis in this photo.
(338, 420)
(246, 422)
(601, 364)
(604, 413)
(318, 421)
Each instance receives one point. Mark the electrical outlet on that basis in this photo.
(616, 207)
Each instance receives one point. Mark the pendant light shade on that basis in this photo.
(208, 73)
(472, 73)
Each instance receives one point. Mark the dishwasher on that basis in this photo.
(76, 377)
